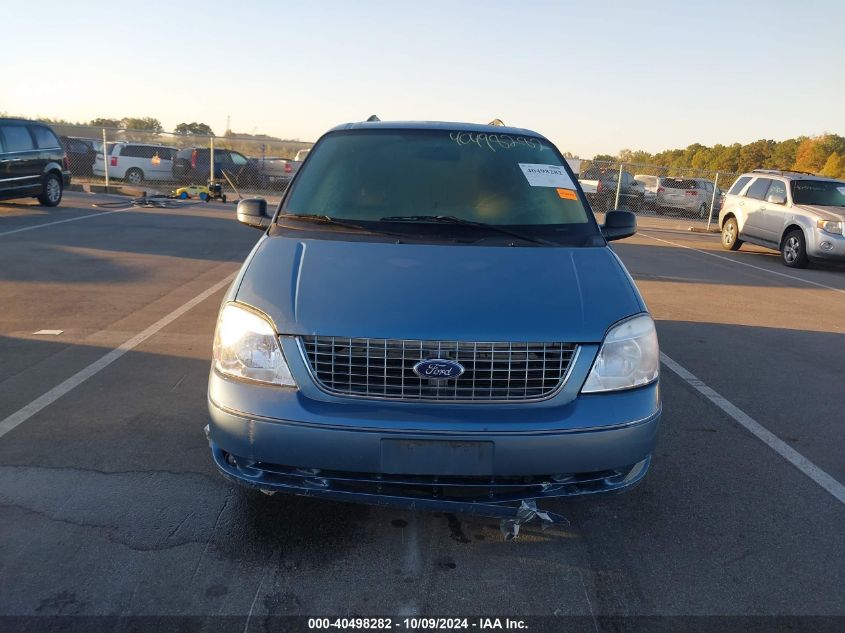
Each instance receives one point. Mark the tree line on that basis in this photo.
(823, 155)
(154, 126)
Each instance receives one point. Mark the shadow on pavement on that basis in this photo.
(103, 249)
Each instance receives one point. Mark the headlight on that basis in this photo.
(246, 346)
(629, 357)
(830, 226)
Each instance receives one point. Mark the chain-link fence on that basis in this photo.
(181, 164)
(654, 189)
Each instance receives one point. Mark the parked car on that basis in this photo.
(800, 215)
(651, 185)
(33, 163)
(429, 323)
(193, 165)
(600, 184)
(81, 153)
(136, 162)
(275, 172)
(691, 195)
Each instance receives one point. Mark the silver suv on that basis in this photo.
(798, 214)
(692, 195)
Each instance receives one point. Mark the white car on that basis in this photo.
(650, 186)
(137, 162)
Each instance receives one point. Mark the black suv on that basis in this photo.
(32, 162)
(81, 153)
(191, 165)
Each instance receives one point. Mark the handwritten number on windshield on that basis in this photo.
(495, 142)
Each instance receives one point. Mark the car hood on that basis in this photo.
(825, 213)
(445, 292)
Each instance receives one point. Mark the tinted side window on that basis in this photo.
(738, 185)
(238, 159)
(758, 188)
(44, 137)
(137, 151)
(17, 138)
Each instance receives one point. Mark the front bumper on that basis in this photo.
(481, 496)
(602, 443)
(826, 246)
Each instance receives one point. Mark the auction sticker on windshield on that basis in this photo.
(546, 176)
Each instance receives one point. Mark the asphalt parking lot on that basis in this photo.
(110, 504)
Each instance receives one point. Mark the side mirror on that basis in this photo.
(618, 225)
(776, 198)
(253, 212)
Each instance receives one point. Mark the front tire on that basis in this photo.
(793, 250)
(135, 176)
(730, 235)
(51, 192)
(702, 212)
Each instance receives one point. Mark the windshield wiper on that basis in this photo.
(451, 219)
(327, 219)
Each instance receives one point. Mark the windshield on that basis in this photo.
(824, 193)
(384, 175)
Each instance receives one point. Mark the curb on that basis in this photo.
(698, 229)
(120, 190)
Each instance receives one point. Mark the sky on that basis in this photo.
(594, 77)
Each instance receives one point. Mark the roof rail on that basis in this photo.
(373, 117)
(781, 172)
(497, 123)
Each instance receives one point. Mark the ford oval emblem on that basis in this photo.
(438, 369)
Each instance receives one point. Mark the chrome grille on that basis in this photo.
(384, 368)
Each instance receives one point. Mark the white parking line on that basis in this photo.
(22, 415)
(39, 226)
(735, 261)
(767, 437)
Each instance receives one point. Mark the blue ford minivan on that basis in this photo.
(433, 318)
